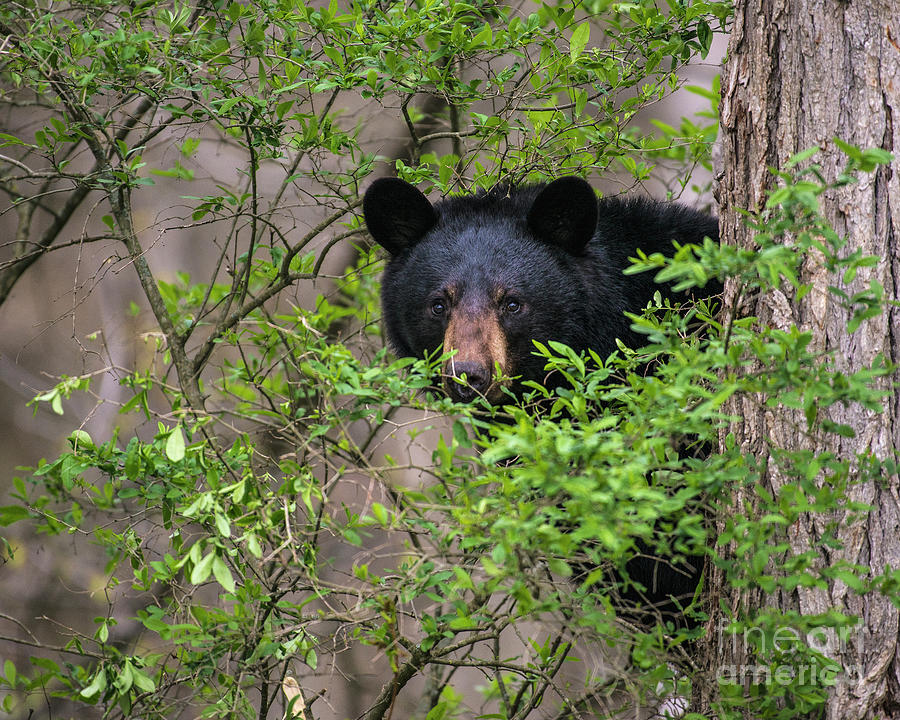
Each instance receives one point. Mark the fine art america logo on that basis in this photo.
(786, 656)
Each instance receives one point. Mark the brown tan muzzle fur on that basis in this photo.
(480, 346)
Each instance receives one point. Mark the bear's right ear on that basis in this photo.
(397, 214)
(565, 214)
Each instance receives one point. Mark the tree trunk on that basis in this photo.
(798, 75)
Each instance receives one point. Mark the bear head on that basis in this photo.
(484, 275)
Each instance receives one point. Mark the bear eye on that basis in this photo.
(512, 306)
(437, 307)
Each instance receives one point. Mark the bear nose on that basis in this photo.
(466, 380)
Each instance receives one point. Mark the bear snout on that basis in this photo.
(480, 345)
(464, 381)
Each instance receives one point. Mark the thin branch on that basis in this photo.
(10, 276)
(57, 246)
(14, 271)
(330, 244)
(29, 173)
(55, 648)
(240, 270)
(285, 278)
(455, 135)
(311, 235)
(254, 202)
(389, 692)
(122, 211)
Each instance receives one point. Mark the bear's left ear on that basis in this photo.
(397, 214)
(565, 214)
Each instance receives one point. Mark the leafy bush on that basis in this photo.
(253, 514)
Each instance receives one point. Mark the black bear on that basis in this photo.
(486, 274)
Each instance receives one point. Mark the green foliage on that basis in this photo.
(556, 102)
(281, 492)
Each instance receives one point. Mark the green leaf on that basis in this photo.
(801, 157)
(141, 680)
(6, 139)
(97, 686)
(849, 578)
(484, 37)
(223, 527)
(189, 146)
(705, 37)
(463, 578)
(9, 670)
(253, 546)
(222, 574)
(381, 514)
(12, 513)
(579, 40)
(132, 464)
(80, 439)
(175, 445)
(103, 631)
(202, 569)
(580, 101)
(851, 151)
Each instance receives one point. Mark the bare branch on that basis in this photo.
(285, 278)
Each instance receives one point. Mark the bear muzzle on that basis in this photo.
(464, 381)
(480, 346)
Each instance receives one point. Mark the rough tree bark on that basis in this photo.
(800, 73)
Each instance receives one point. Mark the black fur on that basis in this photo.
(553, 247)
(559, 254)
